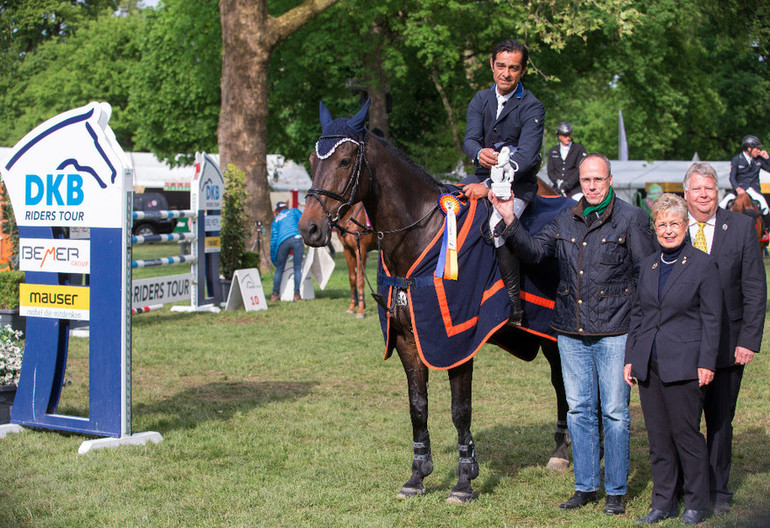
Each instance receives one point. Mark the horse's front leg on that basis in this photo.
(350, 259)
(460, 382)
(360, 270)
(417, 380)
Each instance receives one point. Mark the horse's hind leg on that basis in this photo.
(460, 382)
(559, 460)
(422, 462)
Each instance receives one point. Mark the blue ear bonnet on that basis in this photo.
(340, 130)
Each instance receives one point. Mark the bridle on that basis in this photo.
(352, 186)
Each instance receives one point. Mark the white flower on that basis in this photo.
(11, 353)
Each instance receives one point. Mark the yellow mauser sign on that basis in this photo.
(62, 302)
(212, 242)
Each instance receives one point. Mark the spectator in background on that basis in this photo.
(285, 237)
(563, 161)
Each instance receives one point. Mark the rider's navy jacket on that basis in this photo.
(745, 174)
(520, 125)
(598, 264)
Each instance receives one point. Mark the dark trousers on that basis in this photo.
(672, 414)
(719, 410)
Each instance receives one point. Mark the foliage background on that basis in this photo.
(690, 76)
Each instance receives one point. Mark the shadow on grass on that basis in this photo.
(216, 401)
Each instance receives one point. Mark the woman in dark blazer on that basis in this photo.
(671, 350)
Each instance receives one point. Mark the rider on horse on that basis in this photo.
(506, 115)
(744, 175)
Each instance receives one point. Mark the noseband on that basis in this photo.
(351, 185)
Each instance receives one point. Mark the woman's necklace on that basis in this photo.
(664, 261)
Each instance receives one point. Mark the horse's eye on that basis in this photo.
(344, 162)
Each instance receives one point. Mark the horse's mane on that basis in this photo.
(418, 169)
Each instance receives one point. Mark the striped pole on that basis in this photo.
(164, 261)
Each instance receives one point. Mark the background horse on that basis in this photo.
(356, 242)
(744, 204)
(400, 199)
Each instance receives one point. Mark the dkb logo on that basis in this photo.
(50, 189)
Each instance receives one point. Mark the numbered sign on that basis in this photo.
(246, 291)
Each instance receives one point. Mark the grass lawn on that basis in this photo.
(290, 417)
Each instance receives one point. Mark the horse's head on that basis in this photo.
(341, 176)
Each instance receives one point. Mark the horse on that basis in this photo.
(349, 166)
(356, 243)
(745, 205)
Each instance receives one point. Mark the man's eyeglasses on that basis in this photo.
(595, 181)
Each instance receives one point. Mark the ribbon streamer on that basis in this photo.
(446, 267)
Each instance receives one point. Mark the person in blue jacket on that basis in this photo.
(285, 237)
(506, 115)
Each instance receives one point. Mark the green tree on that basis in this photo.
(175, 96)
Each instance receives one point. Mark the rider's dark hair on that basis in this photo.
(512, 46)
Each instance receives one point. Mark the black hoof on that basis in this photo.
(407, 492)
(460, 497)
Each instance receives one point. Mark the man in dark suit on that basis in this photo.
(506, 115)
(563, 161)
(731, 239)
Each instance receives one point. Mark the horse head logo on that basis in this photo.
(64, 164)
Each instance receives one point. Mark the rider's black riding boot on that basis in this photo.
(508, 262)
(766, 222)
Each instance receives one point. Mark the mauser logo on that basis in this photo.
(56, 256)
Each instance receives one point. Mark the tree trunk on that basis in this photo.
(249, 36)
(376, 81)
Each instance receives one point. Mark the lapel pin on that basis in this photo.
(654, 266)
(724, 227)
(684, 260)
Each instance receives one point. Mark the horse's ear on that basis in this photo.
(357, 121)
(324, 115)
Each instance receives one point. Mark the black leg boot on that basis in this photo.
(508, 262)
(766, 222)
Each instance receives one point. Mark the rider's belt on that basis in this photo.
(404, 283)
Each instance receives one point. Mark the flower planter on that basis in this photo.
(7, 394)
(226, 284)
(11, 317)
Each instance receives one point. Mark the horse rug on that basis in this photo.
(452, 319)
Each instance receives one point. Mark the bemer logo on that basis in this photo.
(62, 256)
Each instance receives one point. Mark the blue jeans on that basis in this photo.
(594, 366)
(296, 244)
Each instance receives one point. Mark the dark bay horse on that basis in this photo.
(356, 242)
(400, 198)
(745, 205)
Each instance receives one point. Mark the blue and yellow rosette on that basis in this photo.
(446, 267)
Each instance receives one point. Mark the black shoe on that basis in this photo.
(721, 508)
(693, 516)
(655, 516)
(578, 500)
(614, 505)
